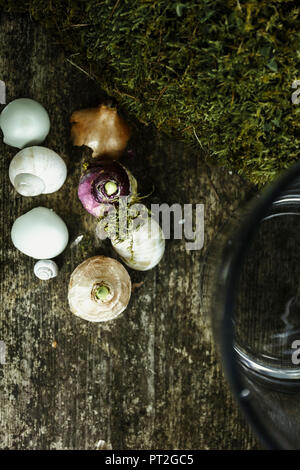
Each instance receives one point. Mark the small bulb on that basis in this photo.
(24, 122)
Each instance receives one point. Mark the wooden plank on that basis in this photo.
(150, 379)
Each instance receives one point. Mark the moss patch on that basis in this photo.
(218, 73)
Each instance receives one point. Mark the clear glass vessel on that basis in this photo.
(256, 310)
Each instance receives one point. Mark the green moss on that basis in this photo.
(218, 73)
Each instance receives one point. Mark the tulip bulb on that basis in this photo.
(101, 129)
(24, 122)
(37, 170)
(99, 289)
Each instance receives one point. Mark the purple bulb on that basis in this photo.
(103, 185)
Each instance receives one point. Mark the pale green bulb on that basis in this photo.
(40, 233)
(24, 122)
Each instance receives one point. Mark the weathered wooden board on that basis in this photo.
(149, 379)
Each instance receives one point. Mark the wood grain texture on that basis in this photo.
(150, 379)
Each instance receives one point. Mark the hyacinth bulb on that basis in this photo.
(99, 289)
(104, 184)
(143, 248)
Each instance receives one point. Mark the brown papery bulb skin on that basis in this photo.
(101, 129)
(99, 289)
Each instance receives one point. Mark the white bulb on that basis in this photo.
(24, 122)
(40, 233)
(143, 248)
